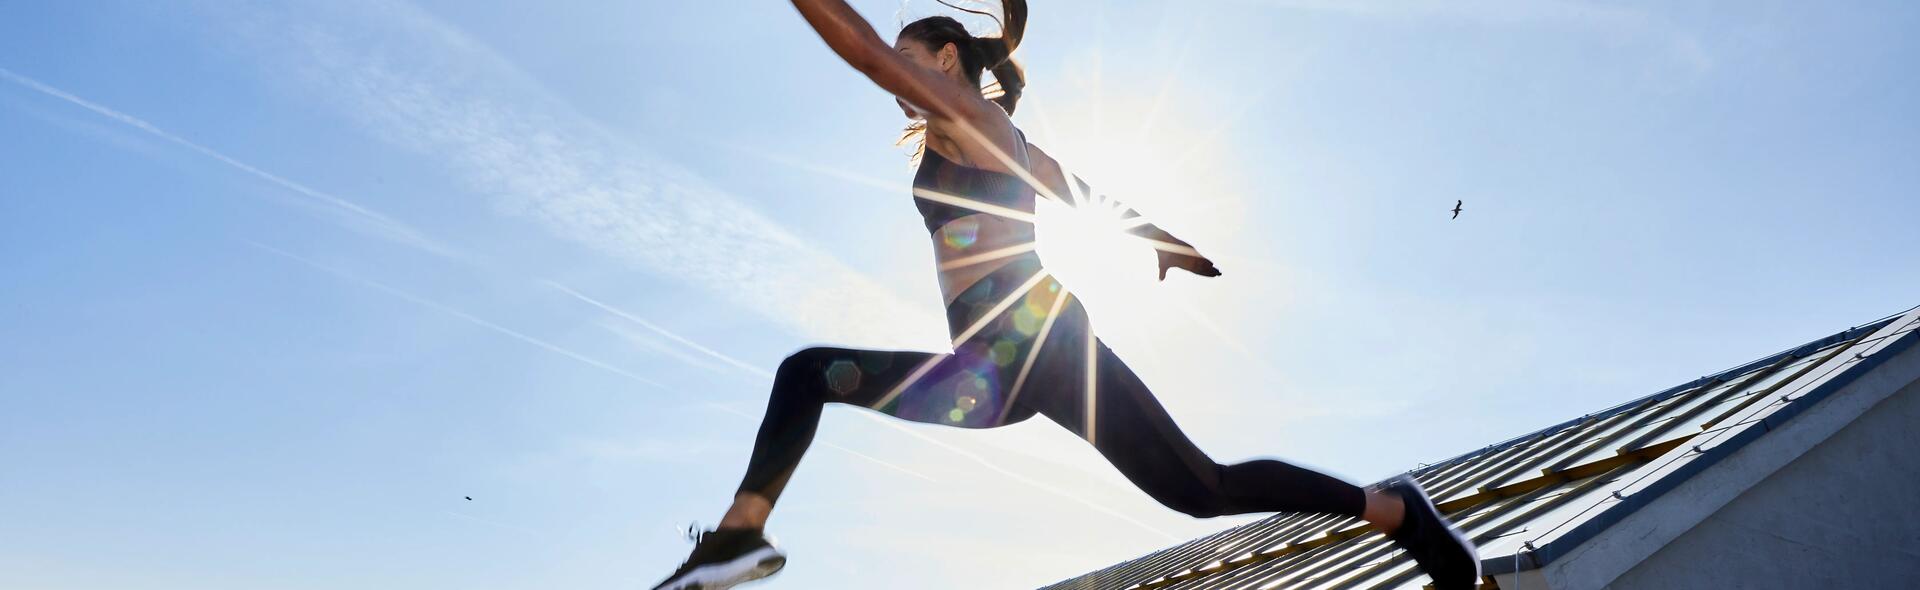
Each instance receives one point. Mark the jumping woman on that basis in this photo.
(1022, 344)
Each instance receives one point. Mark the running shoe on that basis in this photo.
(1442, 552)
(724, 558)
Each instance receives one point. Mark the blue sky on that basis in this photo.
(282, 284)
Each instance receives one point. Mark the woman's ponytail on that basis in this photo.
(1006, 72)
(992, 54)
(1012, 81)
(995, 54)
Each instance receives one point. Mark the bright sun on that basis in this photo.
(1166, 173)
(1088, 248)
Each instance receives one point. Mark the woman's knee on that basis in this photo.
(800, 373)
(803, 359)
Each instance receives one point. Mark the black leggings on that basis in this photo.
(994, 377)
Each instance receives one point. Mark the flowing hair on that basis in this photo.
(977, 54)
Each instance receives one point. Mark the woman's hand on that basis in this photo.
(1193, 263)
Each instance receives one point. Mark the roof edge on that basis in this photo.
(1565, 544)
(1801, 350)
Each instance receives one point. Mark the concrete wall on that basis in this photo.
(1844, 515)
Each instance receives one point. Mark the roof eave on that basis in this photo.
(1887, 342)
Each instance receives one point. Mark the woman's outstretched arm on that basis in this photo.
(854, 40)
(1171, 251)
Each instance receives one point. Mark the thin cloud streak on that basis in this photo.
(379, 223)
(1036, 484)
(888, 422)
(894, 424)
(832, 445)
(548, 346)
(427, 91)
(663, 332)
(651, 343)
(400, 232)
(470, 318)
(429, 88)
(888, 186)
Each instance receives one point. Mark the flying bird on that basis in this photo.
(1456, 208)
(469, 498)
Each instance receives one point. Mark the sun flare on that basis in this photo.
(1087, 246)
(1169, 173)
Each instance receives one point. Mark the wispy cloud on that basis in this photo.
(879, 184)
(1018, 477)
(831, 445)
(470, 318)
(890, 423)
(596, 363)
(426, 86)
(665, 333)
(655, 344)
(352, 214)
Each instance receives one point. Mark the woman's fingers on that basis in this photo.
(1193, 264)
(1205, 268)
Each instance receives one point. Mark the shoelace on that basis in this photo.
(694, 532)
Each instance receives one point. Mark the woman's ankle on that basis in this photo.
(1385, 510)
(732, 522)
(726, 525)
(749, 511)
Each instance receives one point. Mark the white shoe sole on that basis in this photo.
(1451, 530)
(751, 566)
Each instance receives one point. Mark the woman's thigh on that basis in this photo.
(1096, 396)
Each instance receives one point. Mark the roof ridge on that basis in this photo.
(1736, 370)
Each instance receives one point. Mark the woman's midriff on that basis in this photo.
(1003, 313)
(972, 247)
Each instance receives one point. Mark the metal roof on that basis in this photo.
(1533, 498)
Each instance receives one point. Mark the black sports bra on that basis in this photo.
(943, 189)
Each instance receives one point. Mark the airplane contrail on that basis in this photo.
(394, 229)
(470, 318)
(697, 347)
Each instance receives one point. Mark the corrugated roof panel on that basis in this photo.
(1519, 497)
